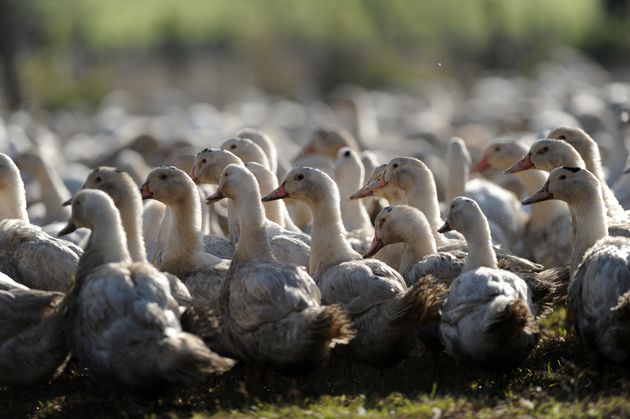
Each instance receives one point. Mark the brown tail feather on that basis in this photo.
(420, 301)
(549, 288)
(333, 325)
(515, 318)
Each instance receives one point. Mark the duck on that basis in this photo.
(488, 316)
(326, 142)
(394, 196)
(599, 291)
(266, 304)
(28, 254)
(179, 249)
(33, 348)
(503, 210)
(349, 173)
(288, 246)
(264, 141)
(121, 187)
(571, 147)
(122, 320)
(246, 150)
(549, 230)
(385, 312)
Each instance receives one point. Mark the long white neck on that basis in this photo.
(590, 225)
(179, 244)
(252, 243)
(353, 212)
(54, 193)
(274, 210)
(233, 222)
(13, 201)
(328, 237)
(457, 178)
(544, 212)
(480, 250)
(593, 162)
(425, 198)
(108, 242)
(419, 242)
(130, 207)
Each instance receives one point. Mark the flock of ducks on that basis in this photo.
(168, 275)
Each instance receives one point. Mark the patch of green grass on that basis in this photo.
(560, 379)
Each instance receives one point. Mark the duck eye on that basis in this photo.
(97, 179)
(226, 174)
(452, 206)
(204, 160)
(562, 177)
(163, 177)
(299, 177)
(497, 148)
(562, 137)
(347, 153)
(395, 166)
(233, 146)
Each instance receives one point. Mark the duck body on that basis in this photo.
(35, 259)
(487, 319)
(599, 298)
(32, 342)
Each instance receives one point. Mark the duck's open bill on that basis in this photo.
(481, 166)
(542, 195)
(279, 193)
(445, 228)
(377, 244)
(69, 228)
(369, 189)
(217, 196)
(67, 202)
(193, 176)
(145, 191)
(523, 164)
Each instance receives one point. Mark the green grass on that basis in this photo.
(560, 379)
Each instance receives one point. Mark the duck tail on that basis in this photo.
(549, 288)
(417, 304)
(331, 326)
(515, 318)
(178, 358)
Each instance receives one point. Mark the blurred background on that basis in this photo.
(71, 53)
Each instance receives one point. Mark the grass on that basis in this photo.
(560, 379)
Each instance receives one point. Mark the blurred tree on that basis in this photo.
(18, 23)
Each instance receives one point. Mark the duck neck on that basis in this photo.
(457, 179)
(274, 211)
(13, 203)
(593, 162)
(353, 212)
(544, 212)
(590, 225)
(181, 243)
(480, 250)
(54, 192)
(233, 222)
(253, 242)
(419, 242)
(130, 207)
(424, 197)
(328, 236)
(108, 242)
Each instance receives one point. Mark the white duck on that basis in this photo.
(599, 292)
(179, 249)
(549, 229)
(384, 311)
(488, 314)
(264, 141)
(121, 187)
(271, 312)
(504, 212)
(122, 321)
(32, 342)
(349, 173)
(27, 254)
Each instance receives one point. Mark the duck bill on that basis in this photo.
(377, 244)
(626, 171)
(69, 228)
(368, 190)
(215, 197)
(279, 193)
(445, 228)
(67, 202)
(481, 166)
(309, 148)
(523, 164)
(542, 195)
(145, 191)
(193, 176)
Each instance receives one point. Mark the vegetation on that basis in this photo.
(559, 380)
